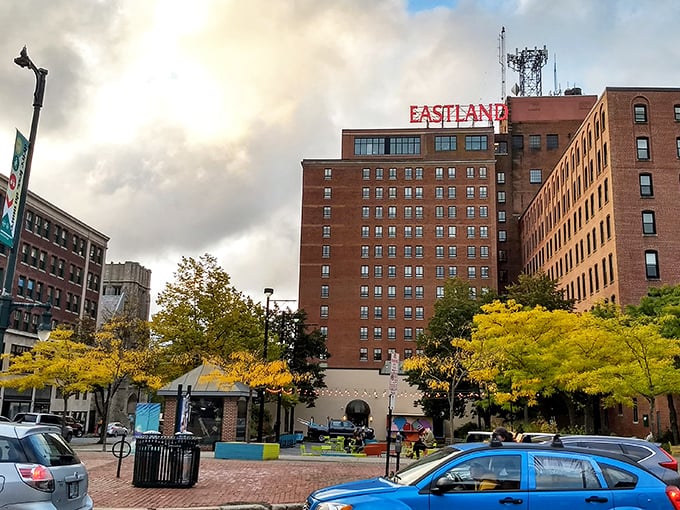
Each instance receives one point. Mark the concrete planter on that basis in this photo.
(247, 451)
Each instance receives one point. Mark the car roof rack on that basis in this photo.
(557, 442)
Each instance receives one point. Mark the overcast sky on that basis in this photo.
(177, 127)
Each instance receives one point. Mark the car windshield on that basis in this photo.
(416, 470)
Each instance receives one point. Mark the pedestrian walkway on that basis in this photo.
(285, 482)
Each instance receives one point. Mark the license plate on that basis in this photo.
(73, 490)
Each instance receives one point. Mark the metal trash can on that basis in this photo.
(166, 461)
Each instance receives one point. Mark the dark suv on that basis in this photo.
(53, 420)
(77, 427)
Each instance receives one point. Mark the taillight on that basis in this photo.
(671, 463)
(673, 494)
(36, 476)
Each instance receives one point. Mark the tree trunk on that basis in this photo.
(652, 417)
(674, 418)
(452, 401)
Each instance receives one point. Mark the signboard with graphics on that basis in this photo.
(12, 196)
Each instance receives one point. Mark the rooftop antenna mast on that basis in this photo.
(556, 91)
(501, 60)
(529, 63)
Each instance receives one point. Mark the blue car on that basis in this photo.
(517, 476)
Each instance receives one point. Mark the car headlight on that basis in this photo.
(334, 506)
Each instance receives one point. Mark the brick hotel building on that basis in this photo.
(61, 260)
(580, 187)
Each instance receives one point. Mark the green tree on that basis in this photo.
(442, 352)
(202, 315)
(249, 368)
(121, 352)
(538, 289)
(662, 304)
(59, 362)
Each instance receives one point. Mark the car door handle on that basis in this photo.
(508, 500)
(596, 499)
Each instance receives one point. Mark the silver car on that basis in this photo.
(39, 470)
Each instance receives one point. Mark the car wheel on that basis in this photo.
(79, 433)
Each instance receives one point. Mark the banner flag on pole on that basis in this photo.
(12, 196)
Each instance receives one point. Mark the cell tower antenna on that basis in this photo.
(556, 90)
(529, 63)
(501, 60)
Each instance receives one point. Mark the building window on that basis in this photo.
(677, 147)
(472, 272)
(325, 271)
(404, 145)
(648, 223)
(451, 211)
(453, 252)
(326, 231)
(453, 271)
(535, 142)
(470, 172)
(451, 172)
(327, 173)
(483, 192)
(379, 193)
(470, 192)
(471, 252)
(484, 271)
(444, 143)
(483, 211)
(363, 291)
(500, 197)
(325, 251)
(324, 291)
(652, 265)
(640, 113)
(476, 143)
(323, 311)
(470, 232)
(501, 147)
(392, 174)
(500, 178)
(379, 173)
(676, 112)
(369, 146)
(391, 192)
(327, 212)
(408, 333)
(363, 354)
(552, 142)
(377, 333)
(642, 148)
(483, 232)
(502, 236)
(501, 216)
(439, 173)
(484, 252)
(535, 176)
(518, 142)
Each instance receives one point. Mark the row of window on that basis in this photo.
(60, 236)
(420, 272)
(417, 192)
(418, 231)
(37, 291)
(535, 143)
(643, 149)
(640, 113)
(378, 354)
(417, 212)
(380, 145)
(37, 258)
(415, 173)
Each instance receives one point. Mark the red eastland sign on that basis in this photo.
(458, 112)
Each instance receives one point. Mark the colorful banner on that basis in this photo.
(13, 195)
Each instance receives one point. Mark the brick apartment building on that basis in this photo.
(571, 185)
(60, 260)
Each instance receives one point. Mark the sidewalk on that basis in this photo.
(280, 484)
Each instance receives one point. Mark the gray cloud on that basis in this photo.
(177, 128)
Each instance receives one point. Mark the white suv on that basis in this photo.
(53, 420)
(40, 470)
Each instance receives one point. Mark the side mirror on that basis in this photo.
(443, 484)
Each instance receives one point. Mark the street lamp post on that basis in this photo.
(6, 304)
(260, 422)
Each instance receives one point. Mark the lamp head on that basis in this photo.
(22, 60)
(45, 327)
(268, 291)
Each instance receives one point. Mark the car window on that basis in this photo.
(601, 445)
(49, 449)
(26, 418)
(618, 478)
(10, 450)
(558, 473)
(51, 420)
(636, 452)
(492, 472)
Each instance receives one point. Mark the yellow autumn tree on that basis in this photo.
(59, 362)
(248, 368)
